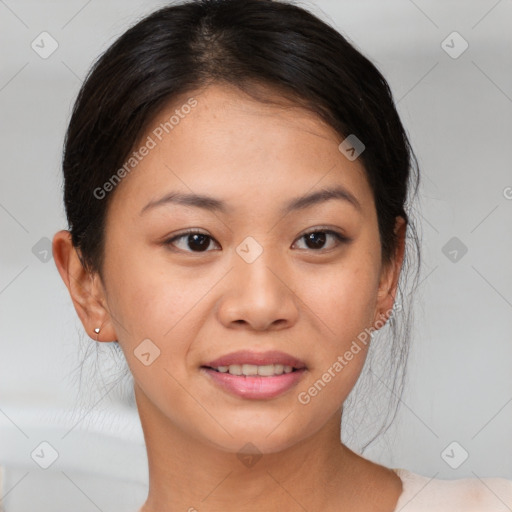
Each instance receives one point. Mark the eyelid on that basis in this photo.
(325, 229)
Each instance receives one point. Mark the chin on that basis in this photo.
(261, 437)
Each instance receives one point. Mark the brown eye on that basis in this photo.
(195, 241)
(316, 240)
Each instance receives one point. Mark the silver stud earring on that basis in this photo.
(97, 330)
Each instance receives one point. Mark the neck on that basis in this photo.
(186, 474)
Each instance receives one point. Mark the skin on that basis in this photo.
(198, 305)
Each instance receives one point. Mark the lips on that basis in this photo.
(242, 357)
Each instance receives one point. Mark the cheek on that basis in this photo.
(353, 298)
(147, 301)
(345, 303)
(343, 296)
(344, 300)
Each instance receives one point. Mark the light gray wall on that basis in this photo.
(458, 113)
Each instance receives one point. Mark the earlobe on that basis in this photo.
(85, 289)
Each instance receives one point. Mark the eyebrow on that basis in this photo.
(216, 205)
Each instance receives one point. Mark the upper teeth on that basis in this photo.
(252, 369)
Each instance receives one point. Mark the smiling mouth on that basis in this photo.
(252, 370)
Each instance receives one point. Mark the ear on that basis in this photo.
(86, 289)
(390, 274)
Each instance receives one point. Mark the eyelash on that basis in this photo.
(341, 239)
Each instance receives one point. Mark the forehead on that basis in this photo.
(221, 142)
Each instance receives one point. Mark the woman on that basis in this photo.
(236, 183)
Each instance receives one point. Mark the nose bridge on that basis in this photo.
(256, 293)
(255, 262)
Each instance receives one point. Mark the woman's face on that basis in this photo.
(253, 282)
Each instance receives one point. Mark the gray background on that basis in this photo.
(457, 112)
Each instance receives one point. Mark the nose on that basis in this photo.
(258, 295)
